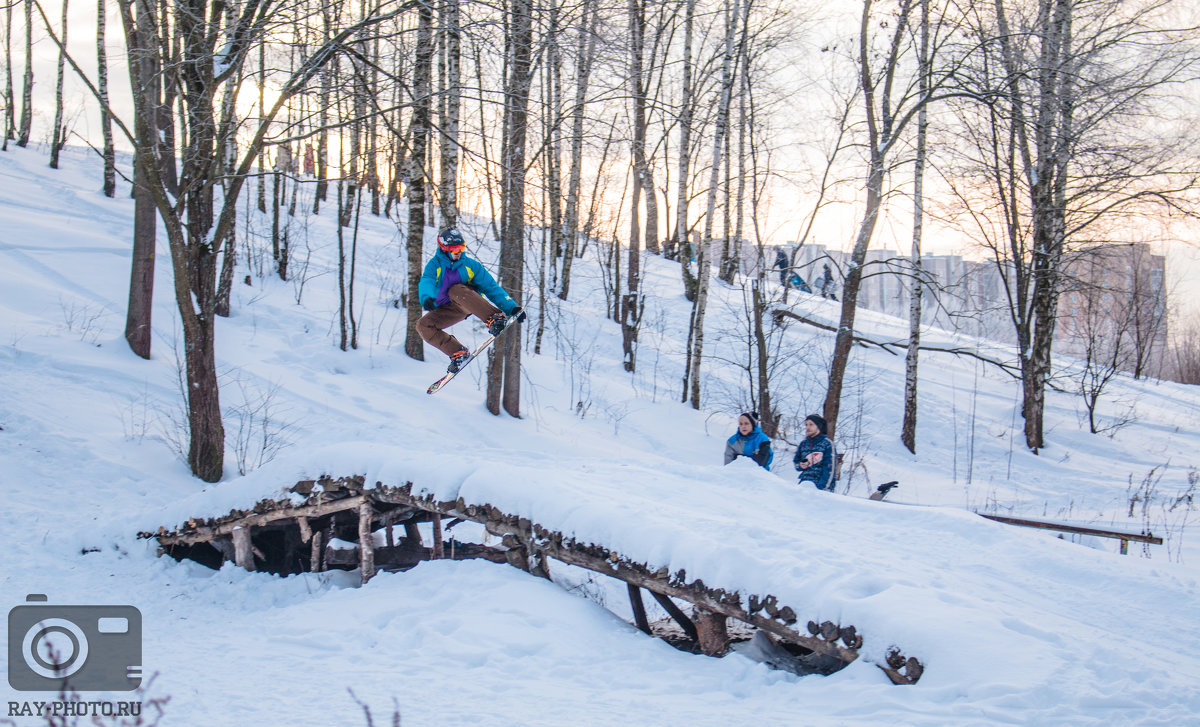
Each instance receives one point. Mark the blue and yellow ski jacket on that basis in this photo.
(756, 446)
(441, 272)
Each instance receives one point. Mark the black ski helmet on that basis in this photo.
(451, 240)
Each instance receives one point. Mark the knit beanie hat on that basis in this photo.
(819, 421)
(752, 416)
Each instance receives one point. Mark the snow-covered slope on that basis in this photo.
(1014, 626)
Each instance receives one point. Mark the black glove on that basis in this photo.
(519, 314)
(427, 304)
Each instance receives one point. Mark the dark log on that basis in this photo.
(541, 565)
(517, 554)
(830, 631)
(680, 617)
(639, 608)
(712, 632)
(438, 552)
(900, 670)
(412, 533)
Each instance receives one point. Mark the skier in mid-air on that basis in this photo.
(450, 290)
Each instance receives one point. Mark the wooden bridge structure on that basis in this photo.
(283, 537)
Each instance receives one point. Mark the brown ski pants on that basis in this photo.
(464, 302)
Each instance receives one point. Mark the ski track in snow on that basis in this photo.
(1014, 626)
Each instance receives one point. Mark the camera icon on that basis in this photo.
(94, 648)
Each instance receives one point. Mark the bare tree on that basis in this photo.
(889, 104)
(1106, 346)
(504, 369)
(27, 87)
(10, 129)
(59, 132)
(195, 228)
(876, 84)
(908, 428)
(106, 127)
(704, 262)
(1184, 358)
(679, 246)
(1062, 151)
(145, 82)
(585, 52)
(450, 106)
(630, 312)
(422, 106)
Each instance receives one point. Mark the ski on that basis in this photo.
(508, 323)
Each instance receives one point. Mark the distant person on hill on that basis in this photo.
(798, 282)
(450, 290)
(825, 284)
(749, 441)
(815, 457)
(781, 262)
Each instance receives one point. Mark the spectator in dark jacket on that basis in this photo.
(749, 441)
(815, 458)
(781, 262)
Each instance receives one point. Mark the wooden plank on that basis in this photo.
(712, 630)
(438, 553)
(366, 541)
(680, 617)
(316, 562)
(697, 593)
(243, 555)
(1076, 529)
(764, 613)
(525, 539)
(413, 533)
(204, 533)
(305, 529)
(639, 608)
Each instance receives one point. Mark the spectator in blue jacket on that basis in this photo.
(749, 441)
(815, 458)
(450, 290)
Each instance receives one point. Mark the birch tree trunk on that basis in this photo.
(262, 112)
(908, 428)
(628, 304)
(422, 109)
(27, 87)
(10, 127)
(553, 150)
(106, 127)
(229, 165)
(450, 118)
(322, 189)
(680, 246)
(58, 138)
(704, 262)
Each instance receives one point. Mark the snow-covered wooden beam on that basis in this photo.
(527, 545)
